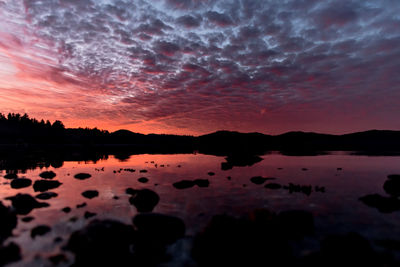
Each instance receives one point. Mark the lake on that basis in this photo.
(337, 181)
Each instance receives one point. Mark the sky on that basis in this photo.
(197, 66)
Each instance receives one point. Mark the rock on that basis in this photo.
(393, 176)
(9, 253)
(40, 230)
(11, 176)
(90, 194)
(44, 185)
(159, 228)
(184, 184)
(131, 191)
(240, 160)
(66, 209)
(143, 179)
(273, 186)
(48, 175)
(202, 182)
(20, 183)
(211, 173)
(304, 169)
(296, 224)
(81, 205)
(339, 169)
(347, 250)
(102, 243)
(383, 204)
(8, 221)
(89, 214)
(27, 219)
(391, 187)
(58, 258)
(58, 239)
(46, 195)
(144, 200)
(24, 203)
(143, 171)
(73, 219)
(82, 176)
(260, 180)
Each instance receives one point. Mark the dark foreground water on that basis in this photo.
(332, 187)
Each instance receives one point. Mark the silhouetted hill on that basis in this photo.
(20, 130)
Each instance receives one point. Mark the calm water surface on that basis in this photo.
(337, 210)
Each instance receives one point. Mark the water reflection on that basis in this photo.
(326, 186)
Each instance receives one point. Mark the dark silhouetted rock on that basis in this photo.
(273, 186)
(159, 228)
(9, 253)
(202, 182)
(339, 169)
(48, 175)
(383, 204)
(79, 206)
(44, 185)
(211, 173)
(143, 171)
(131, 191)
(304, 169)
(184, 184)
(103, 243)
(89, 214)
(82, 176)
(58, 258)
(20, 183)
(90, 194)
(40, 230)
(58, 239)
(391, 187)
(24, 203)
(143, 180)
(66, 209)
(393, 176)
(296, 188)
(240, 160)
(115, 197)
(8, 221)
(11, 176)
(144, 200)
(347, 250)
(296, 224)
(27, 219)
(46, 195)
(259, 179)
(73, 219)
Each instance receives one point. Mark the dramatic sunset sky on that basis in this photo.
(196, 66)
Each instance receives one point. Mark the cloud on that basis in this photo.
(204, 65)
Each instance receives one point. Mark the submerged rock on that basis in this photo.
(102, 243)
(66, 209)
(40, 230)
(143, 179)
(79, 206)
(260, 180)
(9, 253)
(211, 173)
(24, 203)
(46, 195)
(8, 221)
(48, 175)
(159, 228)
(202, 182)
(131, 191)
(90, 194)
(144, 200)
(20, 183)
(392, 187)
(184, 184)
(11, 176)
(27, 219)
(44, 185)
(89, 214)
(273, 186)
(82, 176)
(383, 204)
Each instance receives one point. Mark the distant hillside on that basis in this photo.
(20, 130)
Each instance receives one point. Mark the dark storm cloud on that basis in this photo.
(174, 58)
